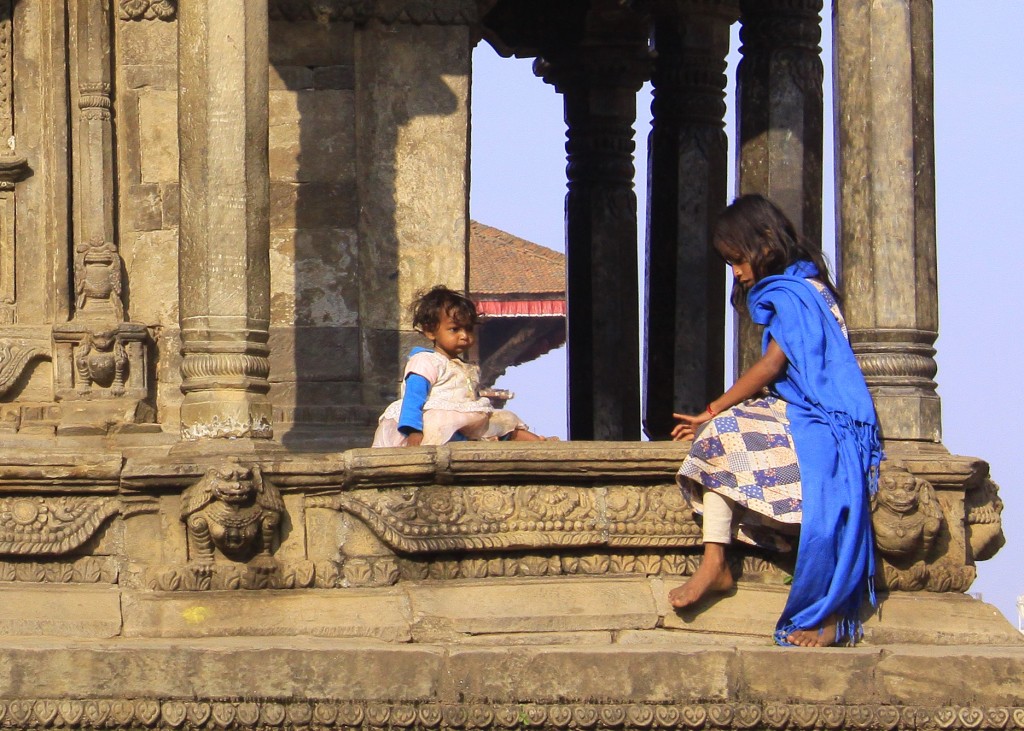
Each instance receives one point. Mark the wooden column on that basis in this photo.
(599, 78)
(779, 89)
(687, 188)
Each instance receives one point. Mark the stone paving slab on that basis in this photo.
(901, 618)
(292, 669)
(535, 605)
(382, 614)
(59, 611)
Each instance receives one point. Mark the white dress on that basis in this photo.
(453, 405)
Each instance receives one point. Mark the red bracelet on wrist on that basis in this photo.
(712, 411)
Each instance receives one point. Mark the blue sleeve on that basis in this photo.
(416, 390)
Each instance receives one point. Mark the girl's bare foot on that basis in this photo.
(824, 636)
(711, 577)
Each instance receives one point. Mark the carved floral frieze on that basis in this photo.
(439, 518)
(14, 359)
(115, 713)
(39, 526)
(148, 9)
(84, 570)
(227, 577)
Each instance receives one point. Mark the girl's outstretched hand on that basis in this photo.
(687, 425)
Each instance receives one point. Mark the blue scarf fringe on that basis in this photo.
(837, 439)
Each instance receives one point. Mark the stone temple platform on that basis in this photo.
(463, 587)
(520, 653)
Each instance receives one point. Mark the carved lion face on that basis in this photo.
(234, 487)
(899, 491)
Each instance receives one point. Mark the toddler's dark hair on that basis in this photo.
(429, 306)
(754, 230)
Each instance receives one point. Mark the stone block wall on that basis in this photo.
(368, 149)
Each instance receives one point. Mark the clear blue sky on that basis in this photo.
(518, 184)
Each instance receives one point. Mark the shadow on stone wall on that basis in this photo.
(366, 133)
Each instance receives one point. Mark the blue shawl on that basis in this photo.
(835, 432)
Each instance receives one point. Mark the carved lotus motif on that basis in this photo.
(492, 505)
(553, 503)
(668, 503)
(623, 504)
(439, 505)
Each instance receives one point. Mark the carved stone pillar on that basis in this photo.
(12, 167)
(224, 267)
(100, 366)
(598, 79)
(886, 188)
(779, 94)
(687, 171)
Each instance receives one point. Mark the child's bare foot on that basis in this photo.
(824, 636)
(711, 577)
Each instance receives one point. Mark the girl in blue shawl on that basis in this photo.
(793, 446)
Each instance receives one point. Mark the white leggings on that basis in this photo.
(718, 511)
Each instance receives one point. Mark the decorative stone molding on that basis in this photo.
(234, 510)
(14, 358)
(100, 364)
(119, 713)
(905, 514)
(439, 519)
(984, 521)
(228, 428)
(148, 9)
(84, 570)
(226, 577)
(373, 570)
(47, 526)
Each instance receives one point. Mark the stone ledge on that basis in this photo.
(695, 687)
(623, 610)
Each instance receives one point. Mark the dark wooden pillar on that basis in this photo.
(598, 78)
(687, 187)
(780, 120)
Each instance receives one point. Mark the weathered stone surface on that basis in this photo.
(315, 280)
(311, 135)
(158, 143)
(383, 615)
(279, 670)
(553, 674)
(152, 256)
(29, 610)
(311, 44)
(541, 605)
(886, 205)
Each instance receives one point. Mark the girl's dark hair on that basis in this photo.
(754, 230)
(429, 306)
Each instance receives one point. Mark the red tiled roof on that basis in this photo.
(506, 267)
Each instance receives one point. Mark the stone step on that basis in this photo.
(514, 611)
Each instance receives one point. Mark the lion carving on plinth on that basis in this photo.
(235, 510)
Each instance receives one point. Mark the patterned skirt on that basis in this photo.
(746, 454)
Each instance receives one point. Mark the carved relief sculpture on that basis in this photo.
(235, 510)
(906, 518)
(97, 353)
(101, 359)
(984, 524)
